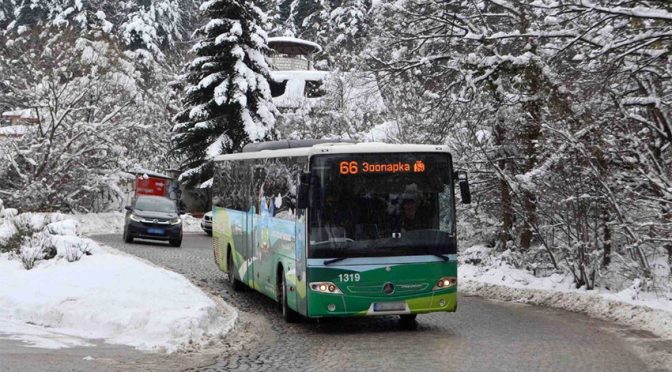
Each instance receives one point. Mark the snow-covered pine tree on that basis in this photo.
(347, 34)
(227, 100)
(153, 26)
(6, 12)
(306, 17)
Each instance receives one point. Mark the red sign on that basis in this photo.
(151, 186)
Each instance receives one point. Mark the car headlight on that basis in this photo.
(176, 221)
(445, 283)
(135, 218)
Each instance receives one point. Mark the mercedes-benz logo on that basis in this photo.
(388, 288)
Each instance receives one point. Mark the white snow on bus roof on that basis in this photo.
(289, 39)
(335, 148)
(284, 153)
(373, 147)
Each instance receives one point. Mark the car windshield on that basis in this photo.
(366, 205)
(154, 204)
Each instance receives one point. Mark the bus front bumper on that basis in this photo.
(338, 305)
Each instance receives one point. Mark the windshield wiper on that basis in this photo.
(333, 260)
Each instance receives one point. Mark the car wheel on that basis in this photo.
(128, 238)
(176, 242)
(209, 233)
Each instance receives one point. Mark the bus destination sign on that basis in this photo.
(356, 167)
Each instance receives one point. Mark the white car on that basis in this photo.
(206, 223)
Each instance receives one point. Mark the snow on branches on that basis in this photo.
(227, 98)
(562, 109)
(93, 107)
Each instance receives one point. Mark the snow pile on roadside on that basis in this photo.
(113, 222)
(107, 296)
(499, 280)
(7, 228)
(103, 294)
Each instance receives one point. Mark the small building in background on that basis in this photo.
(18, 123)
(291, 54)
(299, 91)
(293, 78)
(21, 117)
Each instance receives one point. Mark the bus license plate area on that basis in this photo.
(389, 306)
(154, 231)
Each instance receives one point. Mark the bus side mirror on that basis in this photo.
(463, 181)
(304, 188)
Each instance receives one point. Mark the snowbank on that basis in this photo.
(102, 294)
(108, 296)
(498, 280)
(98, 223)
(113, 222)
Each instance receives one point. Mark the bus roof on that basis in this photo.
(334, 148)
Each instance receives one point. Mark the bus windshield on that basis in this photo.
(372, 205)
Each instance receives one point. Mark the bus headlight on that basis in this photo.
(325, 287)
(445, 282)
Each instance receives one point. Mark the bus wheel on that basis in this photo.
(290, 315)
(233, 282)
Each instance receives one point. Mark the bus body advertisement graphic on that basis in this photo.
(378, 239)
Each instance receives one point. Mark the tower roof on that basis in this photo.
(293, 46)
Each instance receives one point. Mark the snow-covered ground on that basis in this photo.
(498, 280)
(105, 295)
(113, 222)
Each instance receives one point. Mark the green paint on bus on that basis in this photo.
(352, 251)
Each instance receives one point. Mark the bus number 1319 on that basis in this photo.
(349, 277)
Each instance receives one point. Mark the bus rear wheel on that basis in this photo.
(236, 284)
(288, 314)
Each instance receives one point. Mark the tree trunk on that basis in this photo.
(606, 236)
(530, 137)
(504, 234)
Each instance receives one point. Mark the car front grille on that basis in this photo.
(155, 222)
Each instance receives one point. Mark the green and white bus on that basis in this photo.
(340, 229)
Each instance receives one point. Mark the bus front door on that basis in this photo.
(300, 267)
(249, 247)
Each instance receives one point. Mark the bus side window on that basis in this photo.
(259, 188)
(280, 187)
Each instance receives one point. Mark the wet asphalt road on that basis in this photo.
(482, 336)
